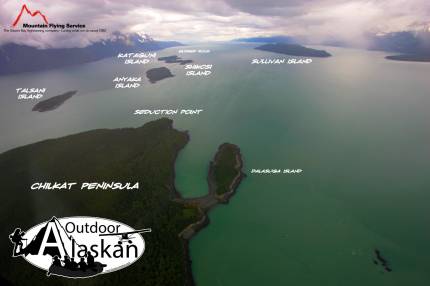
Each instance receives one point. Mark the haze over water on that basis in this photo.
(357, 124)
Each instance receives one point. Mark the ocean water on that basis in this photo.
(357, 124)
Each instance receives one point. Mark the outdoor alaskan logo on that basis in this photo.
(79, 247)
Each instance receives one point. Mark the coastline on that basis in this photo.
(205, 203)
(293, 50)
(409, 58)
(161, 127)
(155, 172)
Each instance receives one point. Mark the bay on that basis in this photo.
(357, 124)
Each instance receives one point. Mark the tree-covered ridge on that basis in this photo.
(145, 155)
(226, 168)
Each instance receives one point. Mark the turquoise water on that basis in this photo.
(357, 124)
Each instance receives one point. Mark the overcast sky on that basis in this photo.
(219, 20)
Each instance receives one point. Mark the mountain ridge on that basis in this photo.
(16, 58)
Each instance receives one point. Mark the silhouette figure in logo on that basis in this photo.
(67, 262)
(16, 238)
(82, 264)
(90, 259)
(69, 268)
(73, 264)
(56, 261)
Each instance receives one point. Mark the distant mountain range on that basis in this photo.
(409, 45)
(406, 42)
(16, 58)
(405, 45)
(273, 39)
(293, 50)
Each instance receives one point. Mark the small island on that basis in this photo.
(157, 74)
(53, 102)
(293, 50)
(224, 176)
(379, 259)
(225, 170)
(410, 57)
(174, 59)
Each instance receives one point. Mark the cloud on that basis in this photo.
(209, 20)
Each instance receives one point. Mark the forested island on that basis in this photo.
(225, 175)
(225, 170)
(293, 50)
(146, 155)
(157, 74)
(174, 59)
(53, 102)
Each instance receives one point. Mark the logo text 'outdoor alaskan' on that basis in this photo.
(79, 247)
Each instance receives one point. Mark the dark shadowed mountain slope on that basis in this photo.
(16, 58)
